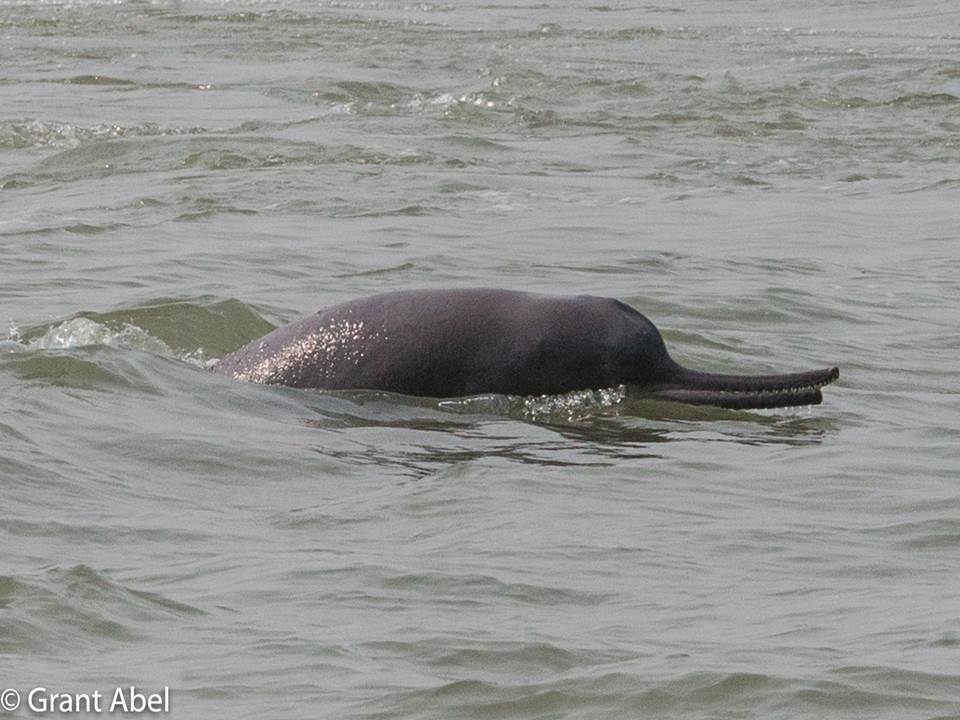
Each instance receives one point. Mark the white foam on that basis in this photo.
(82, 332)
(568, 407)
(572, 406)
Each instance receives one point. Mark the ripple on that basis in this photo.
(482, 588)
(75, 606)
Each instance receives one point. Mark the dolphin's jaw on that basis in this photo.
(745, 391)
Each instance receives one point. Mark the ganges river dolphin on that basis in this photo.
(456, 343)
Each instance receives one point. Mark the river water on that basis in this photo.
(778, 188)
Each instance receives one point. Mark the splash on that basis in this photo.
(478, 405)
(83, 332)
(572, 406)
(569, 407)
(13, 333)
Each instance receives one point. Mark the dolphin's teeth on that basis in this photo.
(793, 390)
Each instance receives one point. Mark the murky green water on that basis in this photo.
(778, 189)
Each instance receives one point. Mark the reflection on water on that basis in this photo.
(425, 436)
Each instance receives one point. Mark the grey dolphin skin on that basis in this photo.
(455, 343)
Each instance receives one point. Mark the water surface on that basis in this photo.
(777, 188)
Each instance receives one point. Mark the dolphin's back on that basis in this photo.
(451, 343)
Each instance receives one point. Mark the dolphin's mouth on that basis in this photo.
(742, 392)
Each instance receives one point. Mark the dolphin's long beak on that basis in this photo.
(746, 391)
